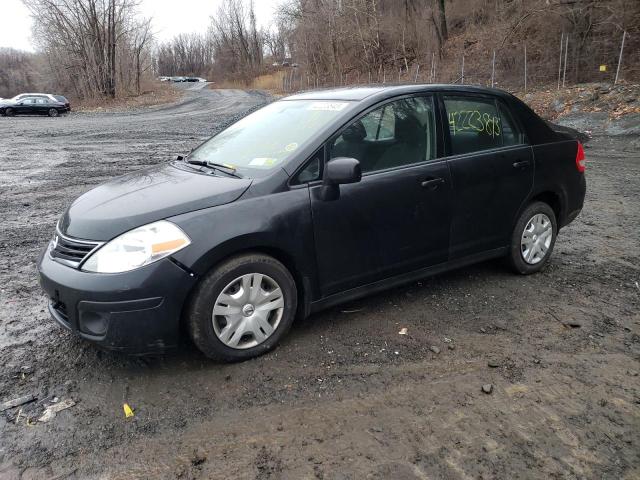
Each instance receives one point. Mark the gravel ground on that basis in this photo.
(345, 396)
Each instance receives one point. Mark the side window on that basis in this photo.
(396, 134)
(380, 124)
(312, 170)
(474, 124)
(511, 135)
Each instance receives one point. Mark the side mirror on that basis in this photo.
(339, 171)
(342, 170)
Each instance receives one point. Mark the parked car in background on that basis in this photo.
(63, 99)
(55, 98)
(313, 200)
(164, 79)
(177, 79)
(33, 105)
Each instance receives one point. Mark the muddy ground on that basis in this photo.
(345, 396)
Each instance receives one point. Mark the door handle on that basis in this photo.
(432, 183)
(522, 164)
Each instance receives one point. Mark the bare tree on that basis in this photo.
(84, 40)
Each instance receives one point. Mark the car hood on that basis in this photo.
(146, 196)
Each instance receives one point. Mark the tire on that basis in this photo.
(53, 112)
(9, 112)
(529, 255)
(226, 283)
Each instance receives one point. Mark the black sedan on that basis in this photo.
(313, 200)
(33, 105)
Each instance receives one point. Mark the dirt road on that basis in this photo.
(345, 396)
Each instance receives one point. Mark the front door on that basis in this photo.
(396, 219)
(492, 172)
(25, 106)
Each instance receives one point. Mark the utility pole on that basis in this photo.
(415, 80)
(624, 34)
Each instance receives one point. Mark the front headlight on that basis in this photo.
(138, 247)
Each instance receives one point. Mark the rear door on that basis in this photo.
(492, 171)
(42, 105)
(396, 219)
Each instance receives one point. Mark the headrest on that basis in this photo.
(409, 129)
(355, 132)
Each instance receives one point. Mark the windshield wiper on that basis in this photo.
(224, 168)
(215, 166)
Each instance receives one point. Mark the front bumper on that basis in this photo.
(134, 312)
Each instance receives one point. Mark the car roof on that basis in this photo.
(381, 91)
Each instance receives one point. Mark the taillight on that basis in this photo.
(580, 158)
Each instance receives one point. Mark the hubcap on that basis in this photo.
(248, 311)
(536, 239)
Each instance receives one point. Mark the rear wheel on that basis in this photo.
(53, 112)
(533, 238)
(9, 112)
(242, 308)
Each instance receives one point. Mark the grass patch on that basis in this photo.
(154, 93)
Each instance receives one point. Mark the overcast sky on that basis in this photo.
(170, 17)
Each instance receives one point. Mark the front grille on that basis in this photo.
(71, 251)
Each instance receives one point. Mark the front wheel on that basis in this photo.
(53, 112)
(242, 308)
(533, 238)
(9, 112)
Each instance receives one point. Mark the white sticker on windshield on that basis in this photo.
(263, 162)
(328, 106)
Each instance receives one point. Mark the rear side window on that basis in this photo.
(475, 124)
(511, 134)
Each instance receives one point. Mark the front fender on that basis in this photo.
(279, 223)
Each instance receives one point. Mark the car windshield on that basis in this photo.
(268, 137)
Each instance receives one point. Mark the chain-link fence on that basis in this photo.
(518, 68)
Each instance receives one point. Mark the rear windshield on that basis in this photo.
(267, 138)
